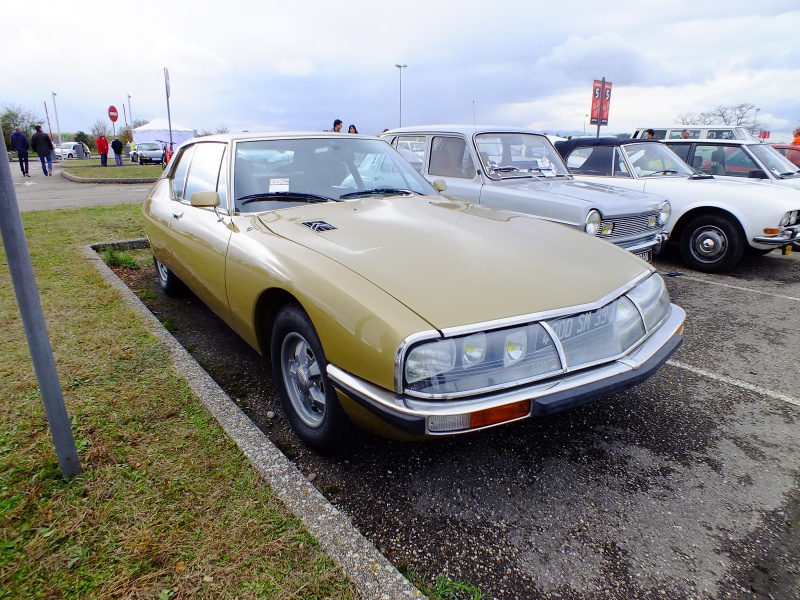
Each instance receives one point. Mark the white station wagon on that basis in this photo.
(520, 171)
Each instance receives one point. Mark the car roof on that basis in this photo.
(715, 141)
(587, 142)
(467, 130)
(267, 135)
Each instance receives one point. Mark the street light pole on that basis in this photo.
(400, 70)
(584, 122)
(58, 127)
(755, 121)
(130, 114)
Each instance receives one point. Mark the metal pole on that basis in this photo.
(400, 70)
(30, 308)
(58, 127)
(131, 114)
(169, 116)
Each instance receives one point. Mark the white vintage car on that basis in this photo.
(714, 221)
(521, 171)
(740, 159)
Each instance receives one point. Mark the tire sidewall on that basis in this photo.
(734, 239)
(329, 435)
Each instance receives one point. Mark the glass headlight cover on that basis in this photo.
(593, 222)
(652, 298)
(664, 213)
(429, 360)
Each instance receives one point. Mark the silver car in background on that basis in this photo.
(518, 170)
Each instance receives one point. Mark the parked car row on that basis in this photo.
(443, 282)
(412, 314)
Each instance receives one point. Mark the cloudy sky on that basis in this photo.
(299, 64)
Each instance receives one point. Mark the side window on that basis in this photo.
(599, 161)
(179, 174)
(204, 172)
(721, 134)
(681, 150)
(620, 170)
(450, 157)
(412, 143)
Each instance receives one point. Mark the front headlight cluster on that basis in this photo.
(790, 218)
(500, 358)
(664, 213)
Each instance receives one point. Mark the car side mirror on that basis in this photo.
(204, 199)
(439, 185)
(757, 174)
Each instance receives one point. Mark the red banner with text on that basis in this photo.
(601, 102)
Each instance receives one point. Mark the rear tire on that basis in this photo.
(712, 243)
(307, 396)
(168, 281)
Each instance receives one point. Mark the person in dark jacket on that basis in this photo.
(20, 143)
(43, 146)
(116, 146)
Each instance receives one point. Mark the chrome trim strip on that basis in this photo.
(562, 355)
(405, 405)
(400, 356)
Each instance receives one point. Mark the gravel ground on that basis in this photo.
(685, 487)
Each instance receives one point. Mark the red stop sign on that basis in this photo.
(113, 114)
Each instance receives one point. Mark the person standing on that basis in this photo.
(337, 126)
(116, 146)
(685, 134)
(43, 146)
(20, 143)
(102, 149)
(649, 134)
(796, 140)
(352, 129)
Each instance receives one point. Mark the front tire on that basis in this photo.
(168, 281)
(141, 160)
(712, 243)
(307, 396)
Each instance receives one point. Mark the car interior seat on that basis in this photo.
(718, 162)
(446, 158)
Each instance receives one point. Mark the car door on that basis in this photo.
(200, 235)
(450, 159)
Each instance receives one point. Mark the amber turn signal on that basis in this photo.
(500, 414)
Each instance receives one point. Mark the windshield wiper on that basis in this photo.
(789, 174)
(283, 197)
(664, 172)
(377, 191)
(505, 169)
(700, 175)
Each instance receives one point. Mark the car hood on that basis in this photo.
(456, 263)
(609, 199)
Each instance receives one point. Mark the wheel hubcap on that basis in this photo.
(303, 379)
(709, 244)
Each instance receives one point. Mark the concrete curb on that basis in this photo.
(77, 179)
(372, 574)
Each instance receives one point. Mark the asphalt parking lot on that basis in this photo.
(685, 487)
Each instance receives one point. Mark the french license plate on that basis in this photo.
(646, 255)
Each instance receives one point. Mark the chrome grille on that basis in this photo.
(630, 226)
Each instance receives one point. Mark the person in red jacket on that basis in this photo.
(102, 149)
(796, 140)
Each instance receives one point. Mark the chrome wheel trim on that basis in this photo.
(302, 377)
(708, 244)
(163, 272)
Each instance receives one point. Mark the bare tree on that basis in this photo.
(739, 114)
(204, 132)
(13, 115)
(100, 127)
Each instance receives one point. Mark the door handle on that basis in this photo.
(177, 214)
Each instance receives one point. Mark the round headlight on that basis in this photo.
(664, 213)
(593, 221)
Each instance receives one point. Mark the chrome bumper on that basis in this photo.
(787, 236)
(410, 414)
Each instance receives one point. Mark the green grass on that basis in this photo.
(91, 169)
(166, 506)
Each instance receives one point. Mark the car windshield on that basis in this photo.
(305, 170)
(505, 155)
(148, 146)
(655, 160)
(774, 161)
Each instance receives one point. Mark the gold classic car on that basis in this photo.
(383, 303)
